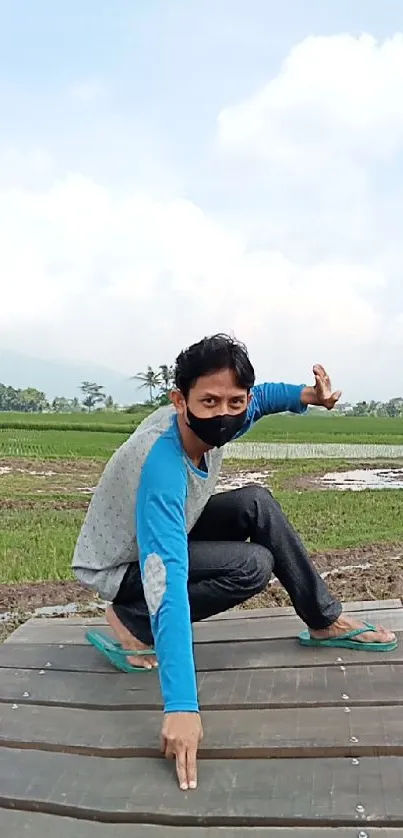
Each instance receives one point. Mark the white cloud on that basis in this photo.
(321, 145)
(77, 246)
(126, 278)
(334, 95)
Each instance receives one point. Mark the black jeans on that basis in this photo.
(225, 569)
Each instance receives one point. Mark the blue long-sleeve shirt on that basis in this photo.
(146, 503)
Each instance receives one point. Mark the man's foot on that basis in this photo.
(128, 641)
(345, 624)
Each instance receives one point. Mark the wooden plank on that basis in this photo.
(34, 825)
(306, 792)
(278, 654)
(311, 686)
(257, 734)
(36, 631)
(349, 607)
(238, 613)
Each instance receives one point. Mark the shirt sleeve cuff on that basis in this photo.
(181, 707)
(296, 405)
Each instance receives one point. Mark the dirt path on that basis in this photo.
(30, 595)
(372, 572)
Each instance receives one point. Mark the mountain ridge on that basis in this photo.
(58, 377)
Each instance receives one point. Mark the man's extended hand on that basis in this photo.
(321, 394)
(180, 738)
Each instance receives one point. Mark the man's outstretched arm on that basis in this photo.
(163, 551)
(271, 398)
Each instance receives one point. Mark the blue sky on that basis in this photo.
(168, 169)
(167, 68)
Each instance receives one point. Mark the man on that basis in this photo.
(166, 552)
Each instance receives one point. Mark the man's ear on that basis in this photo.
(250, 397)
(178, 401)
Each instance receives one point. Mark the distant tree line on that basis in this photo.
(157, 384)
(392, 409)
(30, 400)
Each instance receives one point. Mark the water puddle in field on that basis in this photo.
(359, 479)
(73, 608)
(9, 470)
(225, 482)
(239, 479)
(345, 568)
(86, 490)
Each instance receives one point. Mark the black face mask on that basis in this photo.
(216, 430)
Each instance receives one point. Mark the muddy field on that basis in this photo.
(362, 571)
(374, 572)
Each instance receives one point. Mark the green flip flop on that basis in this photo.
(345, 641)
(114, 652)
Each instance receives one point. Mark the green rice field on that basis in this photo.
(50, 464)
(99, 434)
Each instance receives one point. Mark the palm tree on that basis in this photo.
(149, 379)
(93, 394)
(167, 377)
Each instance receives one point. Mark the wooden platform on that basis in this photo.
(299, 743)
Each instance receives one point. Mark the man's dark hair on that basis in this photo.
(212, 354)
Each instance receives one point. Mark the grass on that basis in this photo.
(100, 440)
(330, 520)
(108, 422)
(334, 519)
(87, 420)
(51, 435)
(37, 543)
(47, 444)
(326, 428)
(42, 514)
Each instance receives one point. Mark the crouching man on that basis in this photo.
(165, 551)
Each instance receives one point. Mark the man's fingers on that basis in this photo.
(330, 402)
(322, 380)
(321, 377)
(180, 737)
(181, 769)
(167, 748)
(192, 767)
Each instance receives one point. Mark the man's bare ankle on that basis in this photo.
(127, 639)
(129, 642)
